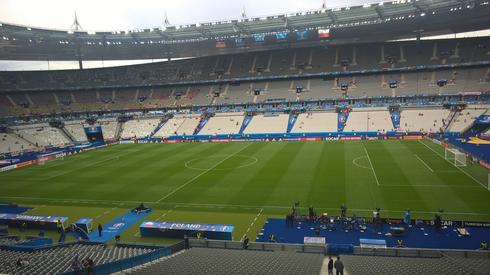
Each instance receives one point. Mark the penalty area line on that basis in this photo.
(464, 172)
(423, 162)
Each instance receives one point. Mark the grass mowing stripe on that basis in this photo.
(200, 174)
(466, 173)
(423, 162)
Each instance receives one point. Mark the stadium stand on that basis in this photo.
(58, 259)
(11, 143)
(76, 130)
(316, 122)
(109, 128)
(267, 123)
(423, 120)
(42, 135)
(375, 120)
(223, 123)
(464, 119)
(170, 127)
(356, 264)
(139, 128)
(188, 125)
(229, 261)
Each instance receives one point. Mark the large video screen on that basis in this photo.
(301, 35)
(281, 36)
(259, 37)
(323, 33)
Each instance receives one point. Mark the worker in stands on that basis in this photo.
(484, 245)
(59, 226)
(245, 242)
(272, 238)
(399, 243)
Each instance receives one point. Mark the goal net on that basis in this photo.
(455, 157)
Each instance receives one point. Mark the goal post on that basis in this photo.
(455, 157)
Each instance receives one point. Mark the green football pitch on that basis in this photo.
(244, 183)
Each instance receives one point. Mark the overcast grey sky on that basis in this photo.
(135, 14)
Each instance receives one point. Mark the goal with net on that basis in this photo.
(454, 156)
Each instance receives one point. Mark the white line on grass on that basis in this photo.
(252, 224)
(237, 206)
(75, 200)
(429, 185)
(466, 173)
(105, 213)
(425, 164)
(370, 163)
(201, 174)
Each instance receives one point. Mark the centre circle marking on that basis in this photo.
(253, 161)
(354, 161)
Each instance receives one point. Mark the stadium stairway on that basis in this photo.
(159, 126)
(202, 122)
(117, 226)
(119, 129)
(292, 120)
(246, 121)
(67, 135)
(342, 121)
(10, 131)
(395, 119)
(451, 120)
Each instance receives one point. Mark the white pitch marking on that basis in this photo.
(354, 161)
(428, 185)
(252, 224)
(227, 206)
(466, 173)
(426, 165)
(200, 174)
(370, 163)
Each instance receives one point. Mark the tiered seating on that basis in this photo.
(10, 143)
(373, 121)
(228, 261)
(188, 126)
(357, 122)
(411, 265)
(75, 128)
(9, 240)
(316, 122)
(58, 259)
(170, 127)
(42, 135)
(380, 121)
(109, 127)
(464, 119)
(268, 124)
(139, 128)
(225, 123)
(423, 120)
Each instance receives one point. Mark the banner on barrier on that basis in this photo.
(412, 137)
(7, 168)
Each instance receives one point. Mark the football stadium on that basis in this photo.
(351, 139)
